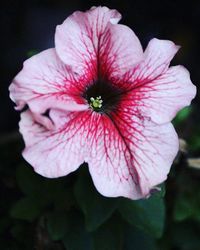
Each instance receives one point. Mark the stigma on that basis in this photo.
(96, 103)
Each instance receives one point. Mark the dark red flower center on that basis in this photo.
(102, 96)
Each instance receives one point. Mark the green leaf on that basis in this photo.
(77, 238)
(147, 215)
(64, 199)
(58, 192)
(194, 141)
(56, 225)
(96, 208)
(28, 181)
(182, 115)
(138, 239)
(183, 209)
(110, 235)
(26, 209)
(185, 235)
(42, 189)
(187, 202)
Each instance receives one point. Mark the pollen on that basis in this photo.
(96, 103)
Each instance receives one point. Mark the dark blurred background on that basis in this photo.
(29, 26)
(32, 207)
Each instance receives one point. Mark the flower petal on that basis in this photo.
(152, 147)
(126, 157)
(77, 39)
(129, 156)
(109, 160)
(157, 58)
(56, 152)
(161, 98)
(45, 82)
(76, 138)
(169, 93)
(120, 50)
(155, 90)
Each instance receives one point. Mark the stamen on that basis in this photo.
(96, 103)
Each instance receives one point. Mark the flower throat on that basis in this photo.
(102, 96)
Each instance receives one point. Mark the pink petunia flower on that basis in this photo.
(98, 98)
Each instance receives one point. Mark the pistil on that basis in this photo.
(96, 103)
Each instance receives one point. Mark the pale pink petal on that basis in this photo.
(43, 121)
(157, 147)
(120, 50)
(45, 82)
(109, 160)
(75, 138)
(77, 39)
(155, 90)
(129, 156)
(161, 98)
(155, 62)
(93, 41)
(152, 147)
(58, 151)
(157, 58)
(123, 161)
(165, 96)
